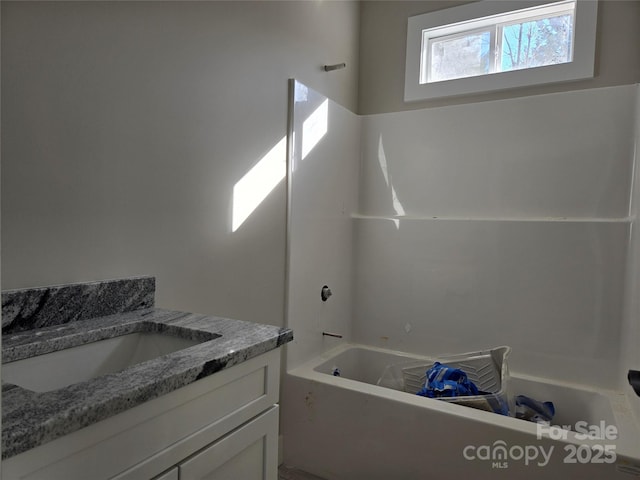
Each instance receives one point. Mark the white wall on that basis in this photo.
(529, 245)
(127, 125)
(556, 155)
(323, 196)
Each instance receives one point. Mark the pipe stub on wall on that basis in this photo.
(325, 293)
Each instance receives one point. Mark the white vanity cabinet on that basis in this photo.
(249, 452)
(224, 426)
(246, 453)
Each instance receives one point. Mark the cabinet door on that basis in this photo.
(248, 453)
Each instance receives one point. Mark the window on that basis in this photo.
(523, 39)
(490, 45)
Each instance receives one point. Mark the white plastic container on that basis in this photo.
(487, 369)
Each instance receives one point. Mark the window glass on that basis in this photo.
(536, 43)
(460, 56)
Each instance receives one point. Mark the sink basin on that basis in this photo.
(60, 369)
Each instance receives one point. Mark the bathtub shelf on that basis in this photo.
(496, 219)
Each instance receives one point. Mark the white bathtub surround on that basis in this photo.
(323, 172)
(503, 222)
(552, 290)
(498, 223)
(558, 155)
(515, 231)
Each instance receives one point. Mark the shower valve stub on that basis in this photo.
(337, 66)
(325, 293)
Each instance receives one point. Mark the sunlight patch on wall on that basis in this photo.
(382, 159)
(253, 188)
(314, 128)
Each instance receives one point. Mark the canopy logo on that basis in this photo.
(500, 454)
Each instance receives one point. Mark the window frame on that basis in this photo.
(451, 19)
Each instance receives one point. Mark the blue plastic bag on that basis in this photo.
(445, 381)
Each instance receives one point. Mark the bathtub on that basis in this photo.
(349, 428)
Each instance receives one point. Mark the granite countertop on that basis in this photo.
(30, 419)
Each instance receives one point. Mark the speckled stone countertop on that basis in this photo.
(30, 419)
